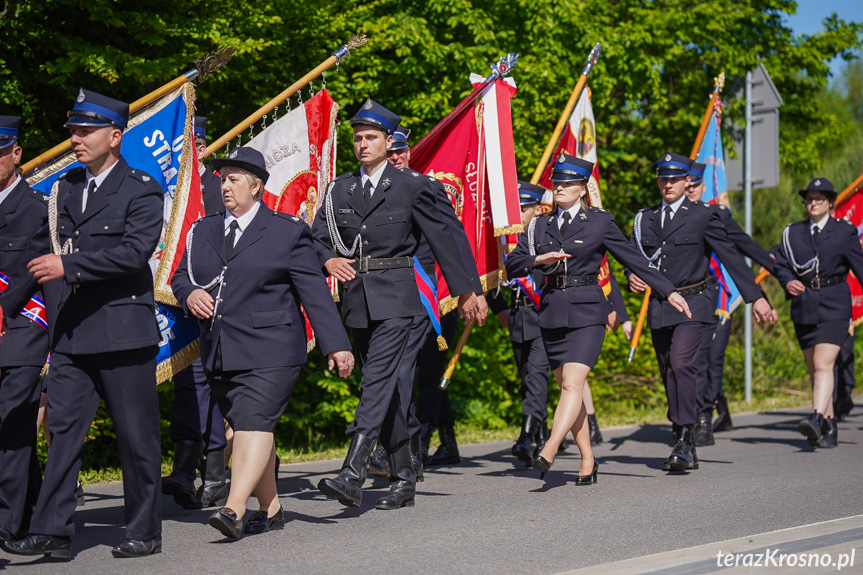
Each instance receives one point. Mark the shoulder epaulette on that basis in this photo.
(72, 172)
(289, 217)
(141, 176)
(343, 176)
(596, 209)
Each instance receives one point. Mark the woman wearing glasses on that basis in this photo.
(815, 256)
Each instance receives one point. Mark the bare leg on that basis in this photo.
(581, 433)
(588, 399)
(571, 378)
(266, 490)
(823, 359)
(254, 455)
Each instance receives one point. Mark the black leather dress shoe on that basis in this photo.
(48, 545)
(260, 523)
(683, 456)
(811, 428)
(226, 522)
(136, 548)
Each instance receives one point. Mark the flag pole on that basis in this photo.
(202, 69)
(847, 191)
(334, 59)
(718, 83)
(567, 112)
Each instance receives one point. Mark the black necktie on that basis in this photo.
(668, 214)
(91, 189)
(231, 238)
(565, 225)
(367, 191)
(816, 230)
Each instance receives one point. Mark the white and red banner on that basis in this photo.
(474, 157)
(300, 151)
(852, 210)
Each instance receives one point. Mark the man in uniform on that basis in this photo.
(714, 341)
(367, 234)
(432, 407)
(677, 237)
(197, 426)
(104, 335)
(25, 346)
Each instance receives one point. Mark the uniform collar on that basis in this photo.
(674, 206)
(100, 178)
(375, 178)
(573, 211)
(5, 193)
(244, 220)
(820, 225)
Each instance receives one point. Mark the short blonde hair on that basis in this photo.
(251, 178)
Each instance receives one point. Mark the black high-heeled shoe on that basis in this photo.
(541, 465)
(588, 479)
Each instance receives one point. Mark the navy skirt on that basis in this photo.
(253, 399)
(810, 335)
(573, 345)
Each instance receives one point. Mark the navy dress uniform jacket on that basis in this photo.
(694, 232)
(22, 213)
(838, 249)
(402, 209)
(211, 192)
(105, 301)
(590, 234)
(424, 252)
(272, 270)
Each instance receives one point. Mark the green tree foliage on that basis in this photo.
(650, 89)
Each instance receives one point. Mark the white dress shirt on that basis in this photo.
(99, 179)
(375, 178)
(674, 207)
(5, 193)
(573, 211)
(243, 221)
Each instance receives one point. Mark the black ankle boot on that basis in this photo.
(403, 484)
(214, 487)
(703, 431)
(347, 486)
(447, 453)
(524, 447)
(426, 433)
(593, 426)
(723, 416)
(811, 428)
(181, 482)
(829, 433)
(683, 456)
(416, 458)
(378, 465)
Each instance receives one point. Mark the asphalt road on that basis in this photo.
(490, 515)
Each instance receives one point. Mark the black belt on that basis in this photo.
(692, 289)
(561, 281)
(818, 283)
(365, 265)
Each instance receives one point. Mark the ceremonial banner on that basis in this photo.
(158, 141)
(579, 139)
(712, 155)
(852, 210)
(300, 151)
(473, 156)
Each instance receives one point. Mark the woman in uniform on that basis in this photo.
(815, 256)
(244, 275)
(568, 246)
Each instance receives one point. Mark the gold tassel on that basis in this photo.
(441, 343)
